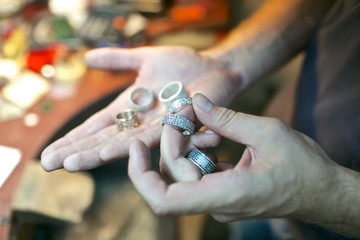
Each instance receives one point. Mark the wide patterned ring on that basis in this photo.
(202, 161)
(179, 103)
(179, 121)
(127, 119)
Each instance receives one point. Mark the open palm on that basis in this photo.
(98, 140)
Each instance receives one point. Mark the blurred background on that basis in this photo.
(46, 90)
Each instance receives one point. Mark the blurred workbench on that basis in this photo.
(30, 140)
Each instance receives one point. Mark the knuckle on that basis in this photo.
(100, 138)
(225, 117)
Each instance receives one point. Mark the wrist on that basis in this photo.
(225, 61)
(318, 194)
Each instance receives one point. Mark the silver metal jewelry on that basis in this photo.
(170, 92)
(127, 119)
(149, 99)
(179, 121)
(202, 161)
(179, 103)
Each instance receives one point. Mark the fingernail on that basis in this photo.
(203, 102)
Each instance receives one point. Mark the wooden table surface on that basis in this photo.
(30, 140)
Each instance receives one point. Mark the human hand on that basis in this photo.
(282, 173)
(98, 140)
(174, 146)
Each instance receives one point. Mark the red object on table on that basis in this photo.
(36, 59)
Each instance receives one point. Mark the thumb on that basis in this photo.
(239, 127)
(114, 58)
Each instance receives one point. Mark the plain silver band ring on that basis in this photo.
(179, 121)
(127, 119)
(202, 161)
(147, 105)
(179, 103)
(172, 91)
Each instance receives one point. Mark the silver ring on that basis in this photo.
(179, 103)
(172, 91)
(149, 101)
(202, 161)
(127, 119)
(179, 121)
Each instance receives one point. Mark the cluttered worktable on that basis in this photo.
(43, 79)
(30, 139)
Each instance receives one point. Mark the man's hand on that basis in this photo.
(98, 140)
(282, 173)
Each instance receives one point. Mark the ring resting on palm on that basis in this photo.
(141, 93)
(170, 92)
(127, 119)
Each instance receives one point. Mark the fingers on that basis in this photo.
(105, 58)
(104, 153)
(149, 134)
(114, 58)
(172, 139)
(53, 157)
(93, 151)
(239, 127)
(178, 198)
(203, 139)
(173, 164)
(174, 147)
(92, 125)
(97, 131)
(96, 122)
(141, 175)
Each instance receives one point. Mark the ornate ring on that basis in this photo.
(179, 103)
(179, 121)
(127, 120)
(148, 99)
(172, 91)
(202, 161)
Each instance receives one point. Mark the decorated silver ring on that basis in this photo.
(202, 161)
(170, 92)
(127, 119)
(179, 103)
(179, 121)
(143, 93)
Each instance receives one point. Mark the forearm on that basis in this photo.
(269, 38)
